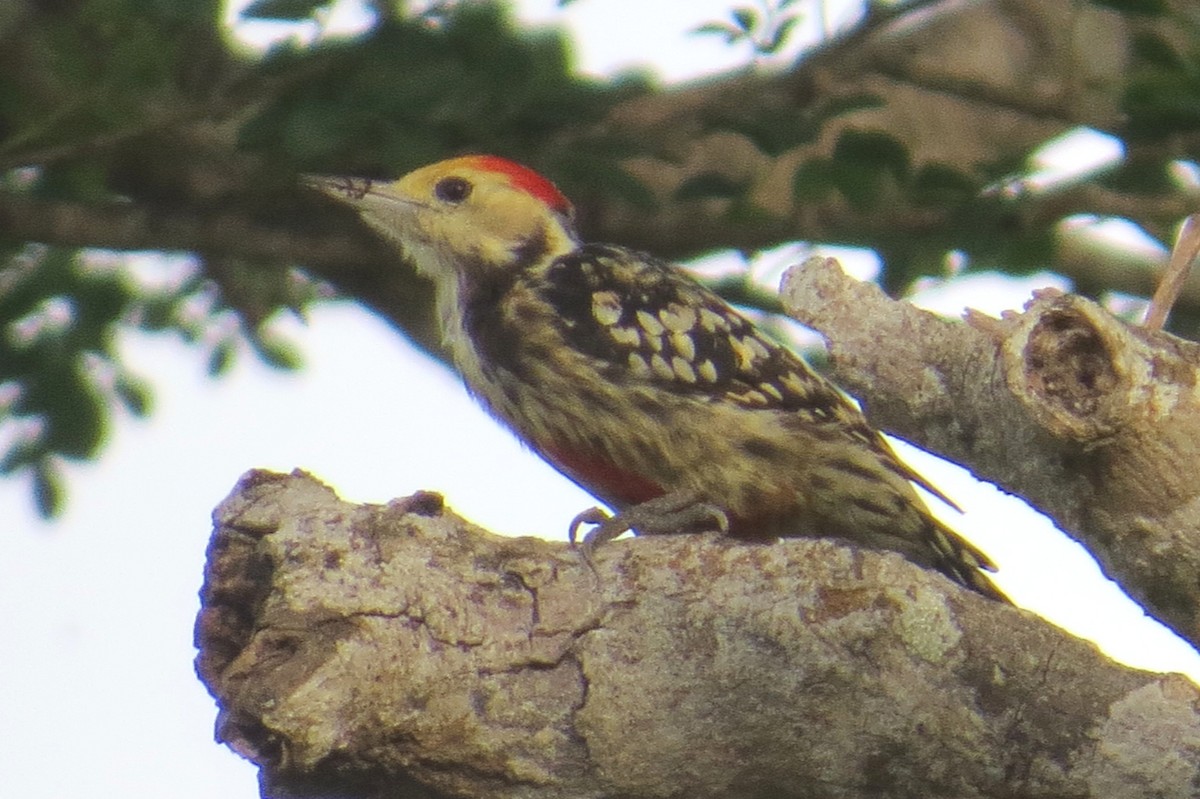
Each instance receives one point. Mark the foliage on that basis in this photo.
(82, 98)
(765, 29)
(61, 375)
(407, 93)
(149, 112)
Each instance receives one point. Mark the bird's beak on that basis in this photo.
(345, 189)
(376, 202)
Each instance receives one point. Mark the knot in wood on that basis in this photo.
(1069, 364)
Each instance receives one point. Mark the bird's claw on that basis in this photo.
(607, 528)
(668, 514)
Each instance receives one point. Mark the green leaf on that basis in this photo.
(589, 173)
(1161, 104)
(723, 29)
(1150, 8)
(708, 185)
(220, 359)
(48, 489)
(876, 148)
(774, 131)
(1144, 174)
(21, 455)
(134, 393)
(941, 185)
(813, 181)
(862, 163)
(277, 352)
(293, 10)
(745, 18)
(76, 413)
(780, 35)
(1151, 49)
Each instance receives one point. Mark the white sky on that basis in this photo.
(96, 609)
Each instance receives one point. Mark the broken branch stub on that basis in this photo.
(1093, 420)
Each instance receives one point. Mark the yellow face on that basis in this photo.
(476, 212)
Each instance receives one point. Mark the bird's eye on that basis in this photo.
(452, 190)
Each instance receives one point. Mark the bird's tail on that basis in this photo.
(961, 561)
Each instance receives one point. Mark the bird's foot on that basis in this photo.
(677, 512)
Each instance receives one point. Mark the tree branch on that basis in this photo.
(905, 76)
(332, 247)
(119, 226)
(396, 650)
(1096, 422)
(1048, 68)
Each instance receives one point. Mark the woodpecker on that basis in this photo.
(637, 382)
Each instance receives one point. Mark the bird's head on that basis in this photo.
(477, 212)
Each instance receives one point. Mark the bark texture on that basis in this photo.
(365, 650)
(1093, 420)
